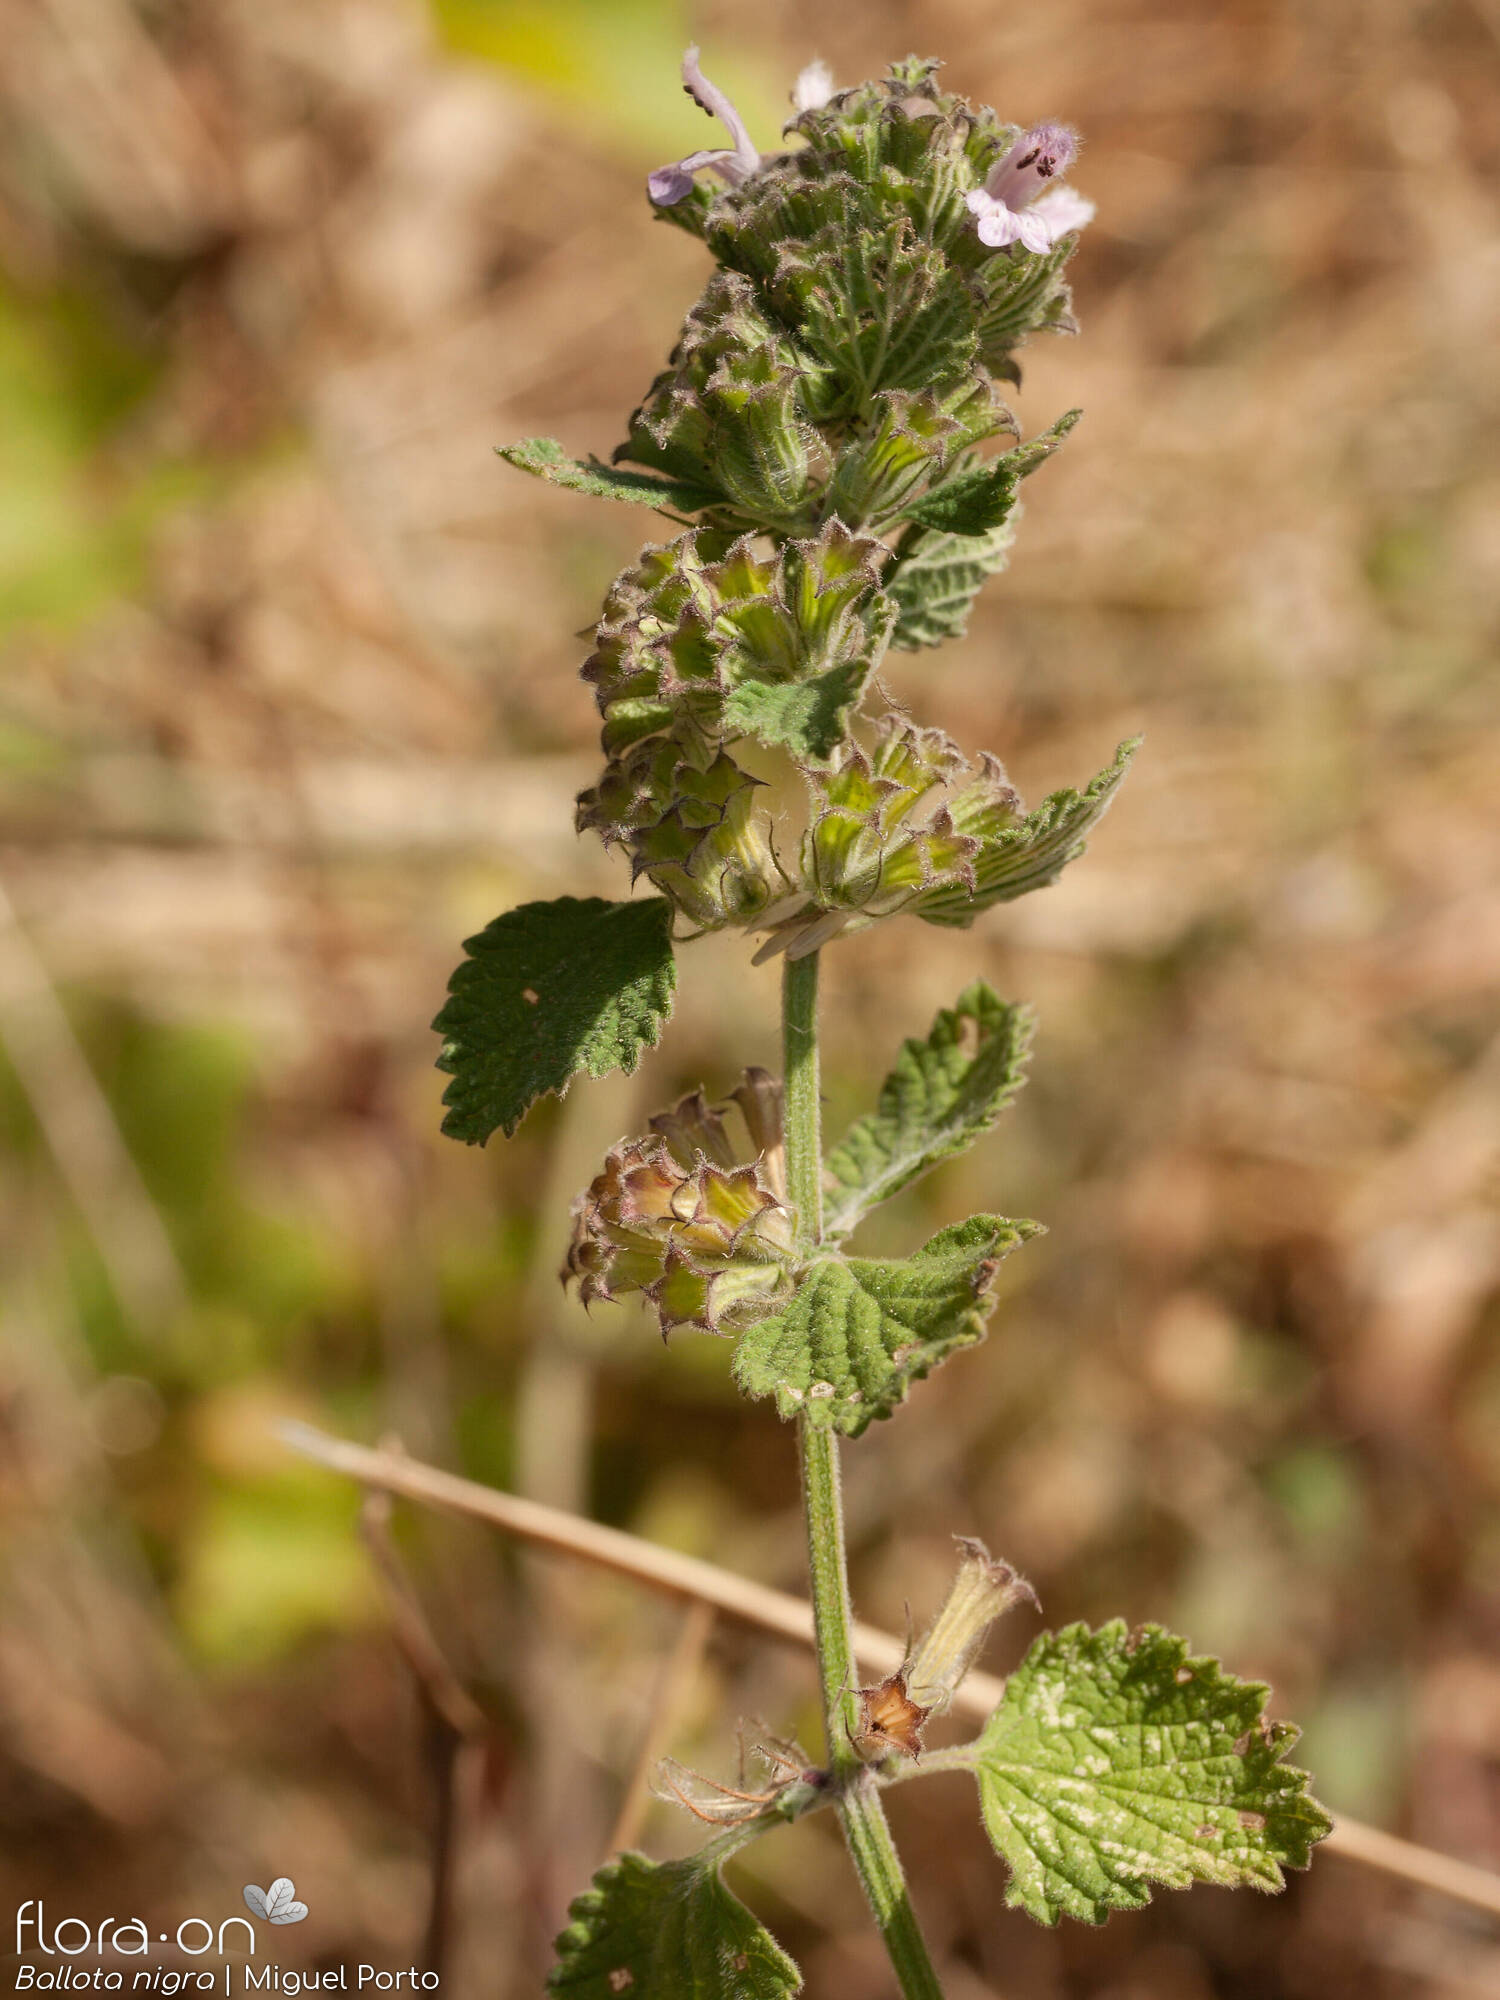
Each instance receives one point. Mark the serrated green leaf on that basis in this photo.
(936, 579)
(667, 1931)
(972, 502)
(545, 459)
(942, 1094)
(1116, 1761)
(547, 990)
(860, 1330)
(979, 497)
(1030, 855)
(809, 717)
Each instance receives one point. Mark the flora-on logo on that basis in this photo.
(278, 1904)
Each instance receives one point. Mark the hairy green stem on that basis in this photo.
(823, 1505)
(804, 1110)
(861, 1814)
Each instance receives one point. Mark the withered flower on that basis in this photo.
(890, 1722)
(983, 1590)
(788, 1770)
(706, 1238)
(893, 1713)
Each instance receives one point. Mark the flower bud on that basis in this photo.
(813, 87)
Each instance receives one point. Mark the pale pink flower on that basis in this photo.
(736, 163)
(733, 164)
(1007, 206)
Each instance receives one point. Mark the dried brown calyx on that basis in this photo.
(684, 1218)
(893, 1713)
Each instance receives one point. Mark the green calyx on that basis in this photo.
(829, 422)
(700, 630)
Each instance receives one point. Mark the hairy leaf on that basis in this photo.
(546, 459)
(942, 1094)
(979, 497)
(809, 718)
(666, 1931)
(1030, 855)
(1116, 1761)
(547, 990)
(882, 310)
(973, 502)
(936, 579)
(859, 1330)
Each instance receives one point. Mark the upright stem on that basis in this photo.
(861, 1813)
(804, 1107)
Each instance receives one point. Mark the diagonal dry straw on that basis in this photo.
(788, 1617)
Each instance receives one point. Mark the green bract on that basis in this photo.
(860, 1330)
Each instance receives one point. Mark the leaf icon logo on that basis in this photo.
(278, 1904)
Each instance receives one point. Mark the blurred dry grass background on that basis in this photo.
(289, 707)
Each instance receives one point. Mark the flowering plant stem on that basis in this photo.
(861, 1813)
(827, 432)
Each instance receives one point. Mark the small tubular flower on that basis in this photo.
(1007, 206)
(707, 1240)
(734, 164)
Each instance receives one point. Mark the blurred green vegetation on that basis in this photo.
(605, 60)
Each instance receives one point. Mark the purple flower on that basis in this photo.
(1007, 206)
(732, 163)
